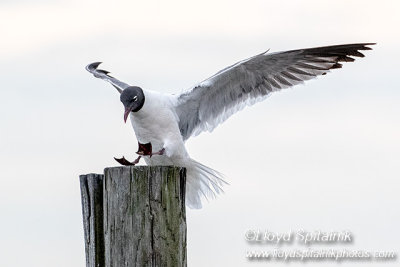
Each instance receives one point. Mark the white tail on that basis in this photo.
(201, 182)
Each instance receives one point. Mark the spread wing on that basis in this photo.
(214, 100)
(103, 74)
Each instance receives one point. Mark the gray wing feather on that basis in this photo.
(252, 80)
(103, 74)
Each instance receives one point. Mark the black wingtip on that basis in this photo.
(103, 71)
(92, 66)
(367, 44)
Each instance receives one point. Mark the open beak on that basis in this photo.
(126, 114)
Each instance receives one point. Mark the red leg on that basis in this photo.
(161, 152)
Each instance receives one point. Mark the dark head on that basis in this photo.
(133, 100)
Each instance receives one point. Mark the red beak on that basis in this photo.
(126, 114)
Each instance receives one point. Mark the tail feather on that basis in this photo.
(202, 182)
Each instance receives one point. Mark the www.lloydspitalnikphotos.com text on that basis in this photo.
(309, 239)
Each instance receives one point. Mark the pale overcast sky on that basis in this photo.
(320, 156)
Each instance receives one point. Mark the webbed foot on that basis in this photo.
(147, 150)
(125, 162)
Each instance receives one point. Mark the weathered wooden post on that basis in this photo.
(92, 211)
(135, 216)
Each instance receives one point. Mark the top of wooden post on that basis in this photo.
(135, 216)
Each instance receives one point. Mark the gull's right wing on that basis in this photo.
(103, 74)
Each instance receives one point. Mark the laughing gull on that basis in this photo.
(163, 122)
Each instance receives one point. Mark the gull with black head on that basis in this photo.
(163, 122)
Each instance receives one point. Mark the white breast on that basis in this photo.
(157, 123)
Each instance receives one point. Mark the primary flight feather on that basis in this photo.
(163, 122)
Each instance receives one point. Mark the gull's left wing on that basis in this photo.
(251, 80)
(103, 74)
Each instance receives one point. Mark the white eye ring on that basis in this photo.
(135, 98)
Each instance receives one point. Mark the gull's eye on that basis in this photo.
(135, 98)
